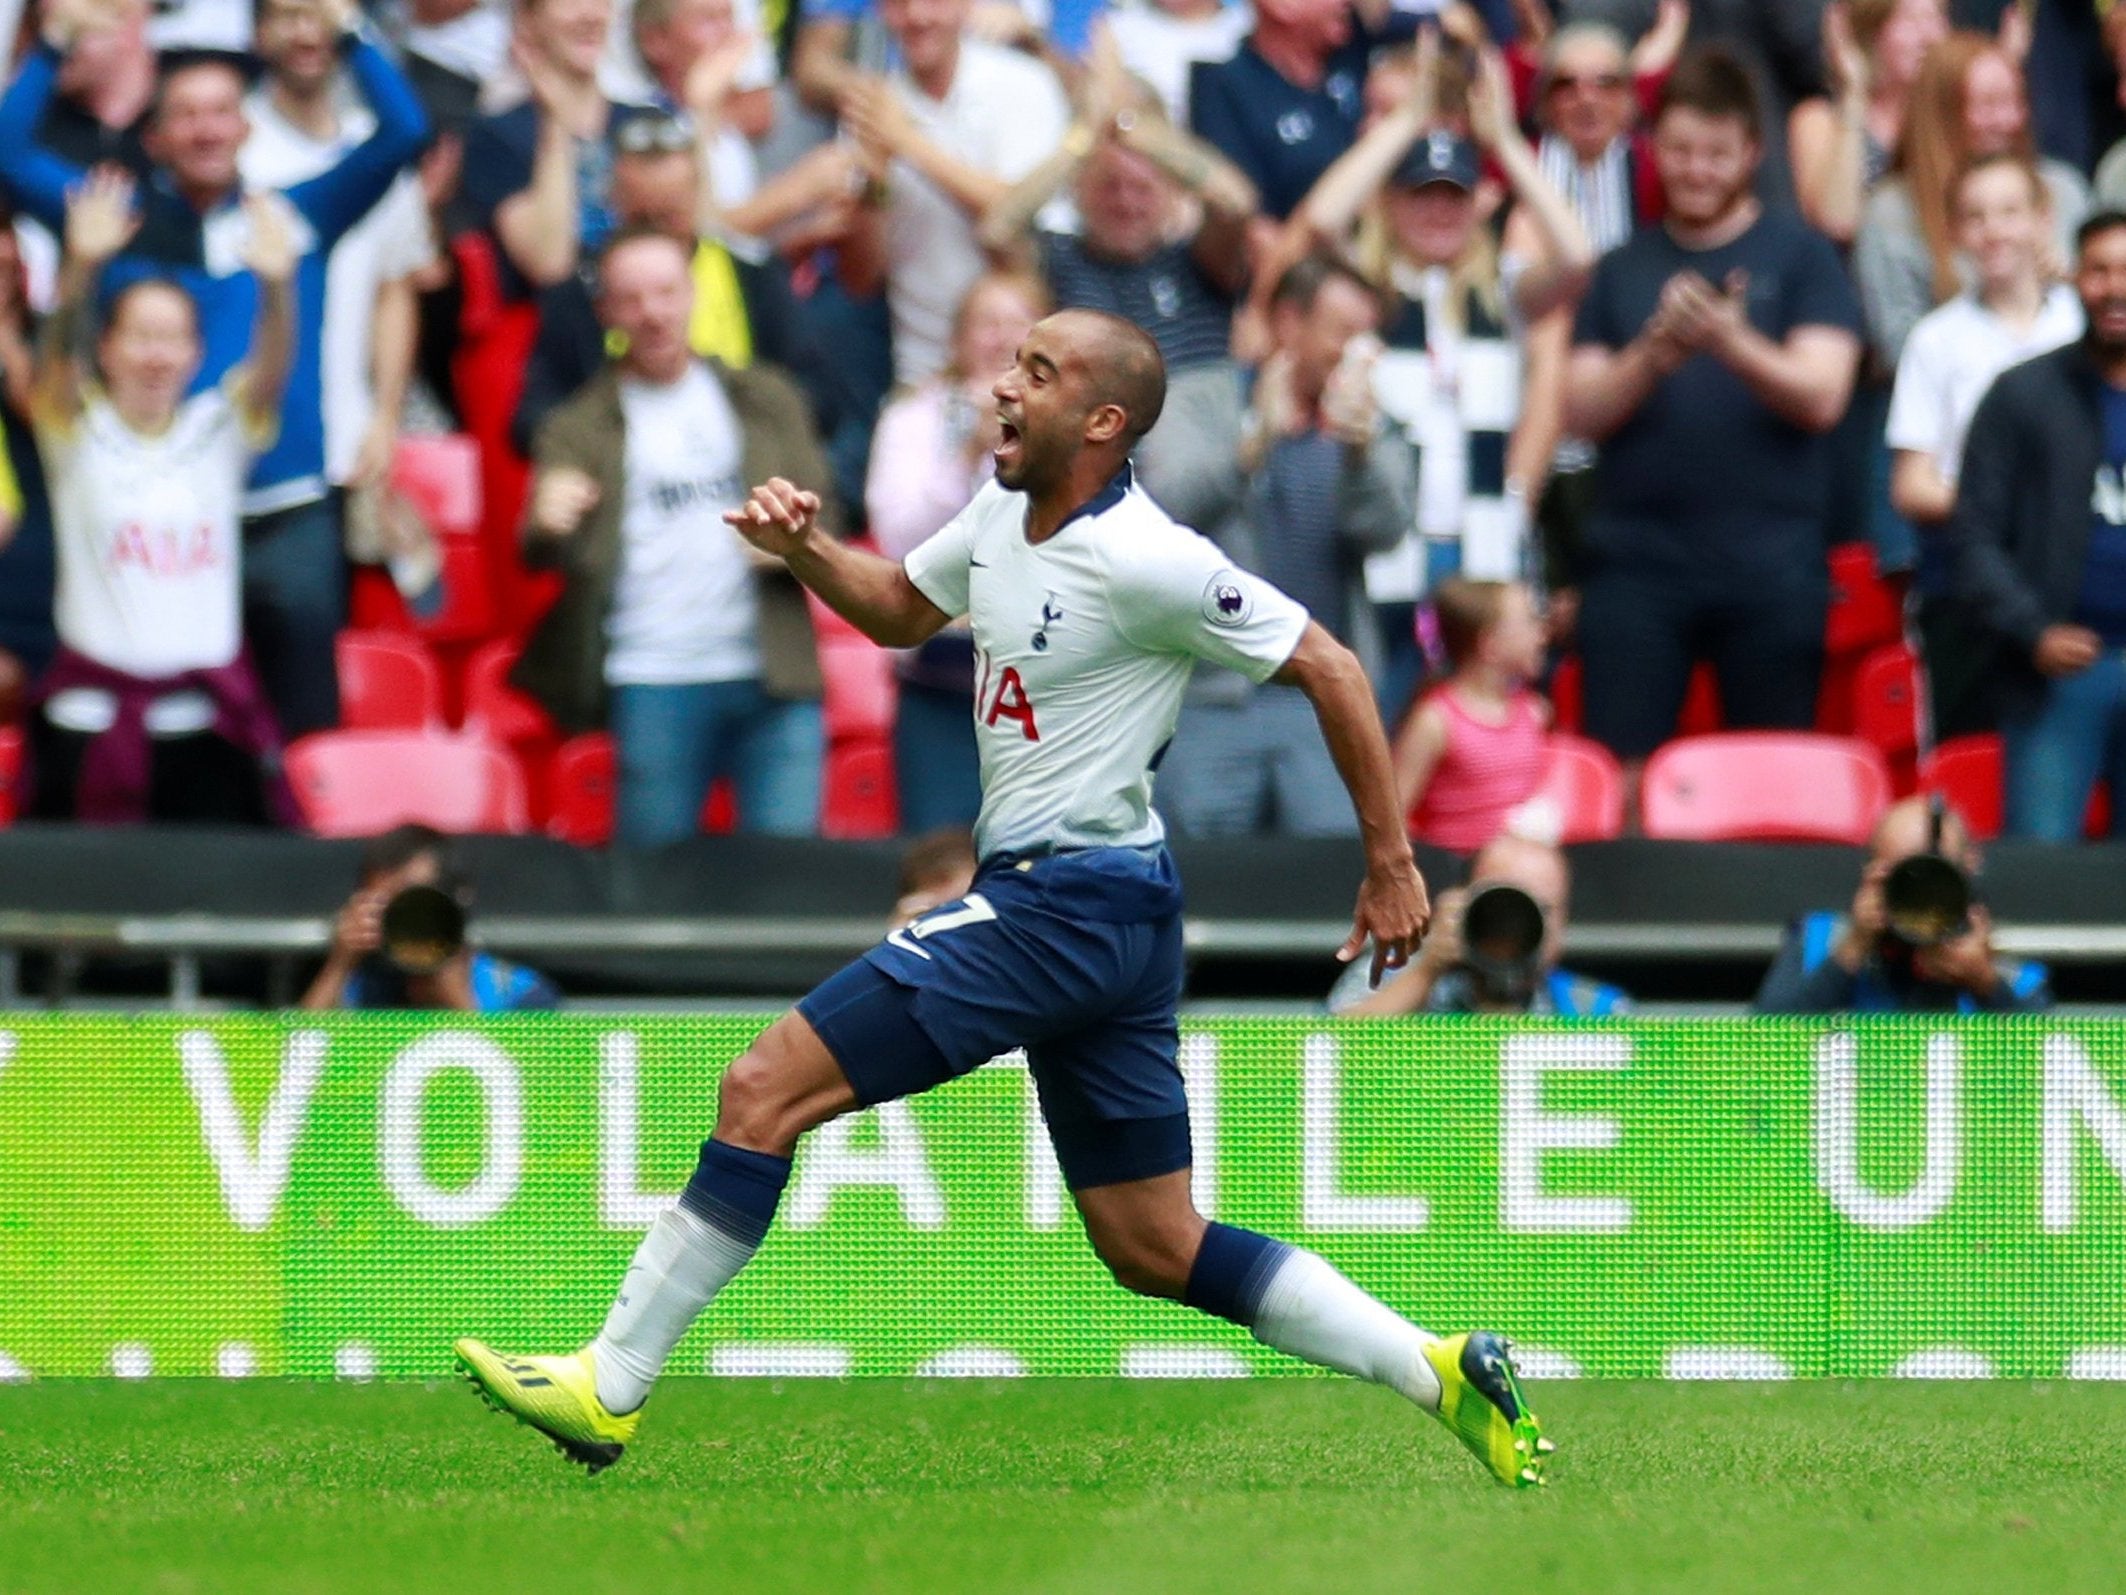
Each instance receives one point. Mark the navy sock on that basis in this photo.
(735, 1190)
(1232, 1270)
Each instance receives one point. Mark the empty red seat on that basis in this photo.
(388, 682)
(440, 477)
(580, 781)
(858, 800)
(357, 783)
(1967, 771)
(1886, 702)
(10, 773)
(1765, 786)
(1864, 611)
(860, 694)
(1585, 782)
(495, 709)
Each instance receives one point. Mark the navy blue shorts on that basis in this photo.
(1077, 958)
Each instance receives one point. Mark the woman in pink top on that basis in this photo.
(1470, 759)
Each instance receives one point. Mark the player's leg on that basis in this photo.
(1154, 1242)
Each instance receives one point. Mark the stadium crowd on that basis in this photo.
(1757, 367)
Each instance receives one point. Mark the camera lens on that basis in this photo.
(1502, 924)
(1926, 900)
(423, 929)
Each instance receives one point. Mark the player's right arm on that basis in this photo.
(874, 595)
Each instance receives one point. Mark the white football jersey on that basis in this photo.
(1083, 646)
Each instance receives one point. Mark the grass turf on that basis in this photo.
(1050, 1486)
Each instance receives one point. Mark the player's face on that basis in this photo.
(1995, 111)
(297, 42)
(201, 127)
(2100, 278)
(1999, 223)
(1588, 97)
(1041, 411)
(1432, 224)
(1125, 201)
(1707, 164)
(570, 32)
(150, 351)
(647, 296)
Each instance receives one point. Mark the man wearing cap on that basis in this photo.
(193, 227)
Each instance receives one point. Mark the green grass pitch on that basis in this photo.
(1109, 1487)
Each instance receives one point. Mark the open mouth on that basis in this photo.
(1007, 438)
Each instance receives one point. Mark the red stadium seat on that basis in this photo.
(579, 783)
(1584, 780)
(498, 711)
(1967, 771)
(860, 694)
(387, 683)
(357, 783)
(1568, 696)
(1765, 786)
(10, 773)
(1864, 612)
(858, 801)
(440, 477)
(1886, 701)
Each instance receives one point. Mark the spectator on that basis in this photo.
(2109, 183)
(453, 49)
(1968, 102)
(698, 655)
(1444, 978)
(1712, 355)
(742, 306)
(1472, 756)
(150, 709)
(106, 89)
(1469, 377)
(1309, 483)
(192, 227)
(937, 868)
(1163, 217)
(1162, 41)
(303, 123)
(2039, 542)
(539, 176)
(1591, 150)
(360, 971)
(26, 635)
(1857, 962)
(960, 121)
(1288, 102)
(929, 457)
(1841, 143)
(2013, 310)
(701, 60)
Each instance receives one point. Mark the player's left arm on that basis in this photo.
(1392, 908)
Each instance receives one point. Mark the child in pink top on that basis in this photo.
(1469, 760)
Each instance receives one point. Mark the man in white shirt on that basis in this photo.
(303, 123)
(694, 650)
(1089, 609)
(961, 121)
(2014, 312)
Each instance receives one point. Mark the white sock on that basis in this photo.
(1310, 1310)
(678, 1269)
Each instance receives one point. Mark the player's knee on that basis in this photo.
(755, 1107)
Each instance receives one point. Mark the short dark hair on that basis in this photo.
(392, 850)
(2102, 222)
(123, 295)
(1305, 278)
(171, 65)
(1713, 81)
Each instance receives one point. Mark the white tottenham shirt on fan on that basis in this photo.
(1084, 644)
(684, 607)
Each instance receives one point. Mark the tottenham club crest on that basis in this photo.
(1050, 614)
(1226, 601)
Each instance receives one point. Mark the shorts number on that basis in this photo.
(973, 909)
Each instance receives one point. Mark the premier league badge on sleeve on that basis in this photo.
(1226, 601)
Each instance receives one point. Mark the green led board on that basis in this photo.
(263, 1195)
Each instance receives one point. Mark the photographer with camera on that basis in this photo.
(399, 941)
(1916, 940)
(1493, 947)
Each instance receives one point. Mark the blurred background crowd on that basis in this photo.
(374, 379)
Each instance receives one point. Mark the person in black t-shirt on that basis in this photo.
(1711, 356)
